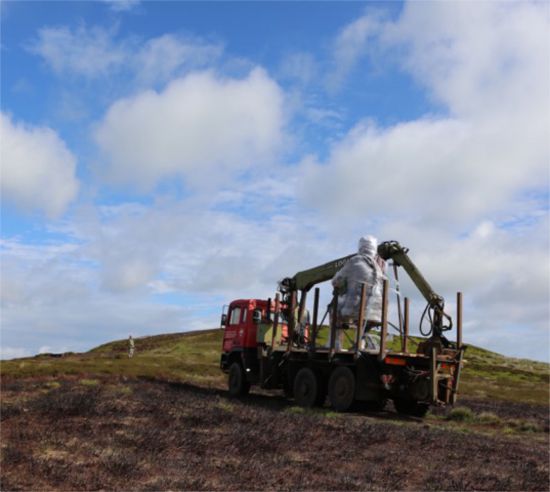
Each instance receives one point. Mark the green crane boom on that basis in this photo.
(306, 279)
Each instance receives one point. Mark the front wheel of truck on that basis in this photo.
(236, 382)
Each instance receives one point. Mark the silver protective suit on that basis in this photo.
(360, 269)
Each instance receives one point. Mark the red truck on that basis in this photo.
(274, 344)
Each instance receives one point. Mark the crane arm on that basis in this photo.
(306, 279)
(394, 251)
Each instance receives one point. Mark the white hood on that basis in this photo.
(368, 246)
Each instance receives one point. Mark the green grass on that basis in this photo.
(194, 357)
(185, 357)
(461, 414)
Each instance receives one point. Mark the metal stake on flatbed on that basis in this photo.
(405, 340)
(333, 317)
(459, 320)
(302, 306)
(384, 329)
(275, 320)
(398, 295)
(315, 316)
(361, 319)
(292, 320)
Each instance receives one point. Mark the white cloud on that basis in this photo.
(299, 66)
(490, 68)
(86, 51)
(95, 51)
(110, 281)
(160, 58)
(38, 170)
(492, 60)
(92, 288)
(200, 127)
(13, 352)
(122, 5)
(351, 45)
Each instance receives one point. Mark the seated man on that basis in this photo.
(363, 268)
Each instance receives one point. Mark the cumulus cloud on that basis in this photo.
(38, 170)
(91, 287)
(490, 70)
(200, 128)
(52, 295)
(122, 264)
(95, 51)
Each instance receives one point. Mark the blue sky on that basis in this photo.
(162, 158)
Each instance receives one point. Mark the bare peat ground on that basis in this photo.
(134, 434)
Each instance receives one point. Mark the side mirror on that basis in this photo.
(257, 316)
(224, 320)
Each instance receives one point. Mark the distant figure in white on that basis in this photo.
(131, 347)
(366, 267)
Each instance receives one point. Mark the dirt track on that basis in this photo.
(140, 435)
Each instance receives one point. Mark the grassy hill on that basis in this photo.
(162, 421)
(193, 357)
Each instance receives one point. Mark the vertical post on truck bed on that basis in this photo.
(433, 375)
(405, 340)
(315, 316)
(302, 307)
(333, 317)
(384, 329)
(301, 310)
(275, 321)
(456, 377)
(361, 319)
(291, 320)
(459, 320)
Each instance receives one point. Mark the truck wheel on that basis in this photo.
(305, 388)
(236, 382)
(410, 407)
(341, 388)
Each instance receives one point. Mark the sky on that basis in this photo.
(160, 159)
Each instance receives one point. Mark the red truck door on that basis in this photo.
(234, 332)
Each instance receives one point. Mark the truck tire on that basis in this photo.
(236, 381)
(410, 407)
(341, 388)
(306, 388)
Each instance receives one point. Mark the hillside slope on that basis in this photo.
(193, 357)
(162, 421)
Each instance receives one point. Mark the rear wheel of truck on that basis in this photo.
(341, 388)
(413, 408)
(236, 382)
(306, 388)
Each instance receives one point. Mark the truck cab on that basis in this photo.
(248, 327)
